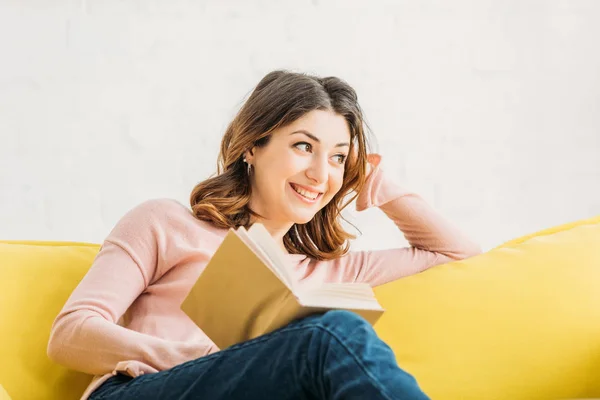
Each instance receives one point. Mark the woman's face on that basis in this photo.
(300, 169)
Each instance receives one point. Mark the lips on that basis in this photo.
(305, 193)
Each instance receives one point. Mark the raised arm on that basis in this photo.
(85, 335)
(433, 240)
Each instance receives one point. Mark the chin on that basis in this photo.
(301, 218)
(302, 221)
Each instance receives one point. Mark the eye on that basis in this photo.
(303, 146)
(340, 158)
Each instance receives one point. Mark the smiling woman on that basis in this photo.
(284, 162)
(293, 157)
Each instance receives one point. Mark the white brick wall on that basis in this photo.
(490, 109)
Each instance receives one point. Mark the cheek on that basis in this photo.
(274, 173)
(336, 181)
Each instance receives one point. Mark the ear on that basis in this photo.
(249, 155)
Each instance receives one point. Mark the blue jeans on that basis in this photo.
(335, 355)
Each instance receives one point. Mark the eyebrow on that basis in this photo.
(316, 139)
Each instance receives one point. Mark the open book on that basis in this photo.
(247, 290)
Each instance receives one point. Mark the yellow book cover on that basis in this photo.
(245, 291)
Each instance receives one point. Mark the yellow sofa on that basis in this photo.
(521, 321)
(37, 279)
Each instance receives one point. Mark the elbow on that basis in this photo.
(464, 252)
(472, 250)
(54, 348)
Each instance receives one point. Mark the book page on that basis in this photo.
(340, 295)
(242, 233)
(260, 236)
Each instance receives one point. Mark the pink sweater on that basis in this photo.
(125, 314)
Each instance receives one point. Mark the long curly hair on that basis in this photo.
(279, 99)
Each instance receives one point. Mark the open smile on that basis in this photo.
(304, 194)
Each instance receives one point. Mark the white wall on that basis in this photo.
(488, 109)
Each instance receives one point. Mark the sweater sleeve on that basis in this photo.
(433, 240)
(85, 335)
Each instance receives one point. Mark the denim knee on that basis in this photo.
(347, 324)
(344, 319)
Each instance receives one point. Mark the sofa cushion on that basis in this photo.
(36, 278)
(521, 321)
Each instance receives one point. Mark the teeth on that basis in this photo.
(305, 193)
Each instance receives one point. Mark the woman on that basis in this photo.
(291, 159)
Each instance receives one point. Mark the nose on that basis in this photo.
(318, 169)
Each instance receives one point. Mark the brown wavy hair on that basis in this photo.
(279, 99)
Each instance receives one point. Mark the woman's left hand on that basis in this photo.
(373, 161)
